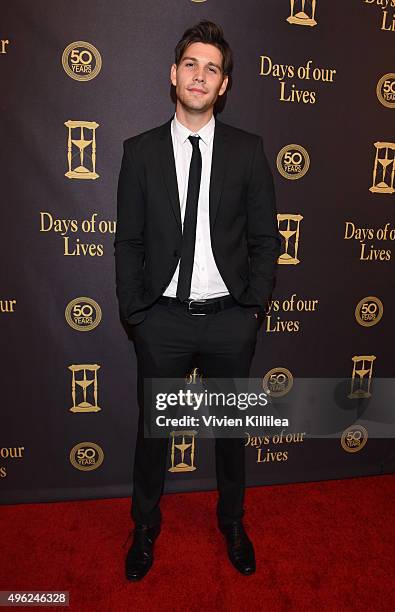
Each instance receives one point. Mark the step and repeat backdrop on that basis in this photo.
(316, 80)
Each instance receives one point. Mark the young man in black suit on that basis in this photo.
(196, 248)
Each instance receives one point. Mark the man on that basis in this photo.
(196, 248)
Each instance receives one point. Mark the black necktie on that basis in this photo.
(189, 229)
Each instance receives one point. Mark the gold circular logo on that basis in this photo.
(86, 456)
(385, 90)
(277, 382)
(293, 161)
(83, 314)
(81, 61)
(369, 311)
(354, 438)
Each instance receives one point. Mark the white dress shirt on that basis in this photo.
(206, 280)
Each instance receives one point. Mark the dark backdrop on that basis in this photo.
(43, 270)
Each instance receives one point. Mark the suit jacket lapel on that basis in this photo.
(218, 166)
(166, 155)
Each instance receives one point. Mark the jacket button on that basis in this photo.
(175, 253)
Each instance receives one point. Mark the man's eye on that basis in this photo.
(189, 64)
(213, 70)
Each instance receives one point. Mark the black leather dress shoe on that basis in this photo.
(240, 548)
(140, 555)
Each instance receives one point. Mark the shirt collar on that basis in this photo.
(182, 133)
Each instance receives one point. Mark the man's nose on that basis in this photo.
(199, 76)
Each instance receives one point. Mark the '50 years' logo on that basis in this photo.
(81, 61)
(83, 314)
(385, 90)
(86, 456)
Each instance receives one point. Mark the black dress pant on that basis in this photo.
(169, 342)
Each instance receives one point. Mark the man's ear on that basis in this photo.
(223, 86)
(173, 74)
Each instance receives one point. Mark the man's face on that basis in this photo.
(198, 79)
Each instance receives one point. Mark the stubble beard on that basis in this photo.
(197, 106)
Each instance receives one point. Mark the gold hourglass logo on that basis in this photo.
(289, 228)
(363, 368)
(384, 168)
(302, 12)
(186, 443)
(84, 388)
(81, 145)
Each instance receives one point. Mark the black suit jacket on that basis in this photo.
(243, 223)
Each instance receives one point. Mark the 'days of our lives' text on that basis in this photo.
(365, 236)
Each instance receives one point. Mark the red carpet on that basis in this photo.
(319, 546)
